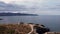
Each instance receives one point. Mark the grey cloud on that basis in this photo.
(37, 7)
(45, 8)
(11, 7)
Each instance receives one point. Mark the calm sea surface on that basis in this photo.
(50, 21)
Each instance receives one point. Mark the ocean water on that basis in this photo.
(50, 21)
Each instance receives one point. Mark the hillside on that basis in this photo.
(22, 28)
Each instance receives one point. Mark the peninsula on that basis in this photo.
(17, 14)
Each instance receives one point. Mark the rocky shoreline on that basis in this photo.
(23, 28)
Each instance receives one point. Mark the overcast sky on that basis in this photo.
(42, 7)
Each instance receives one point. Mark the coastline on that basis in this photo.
(23, 28)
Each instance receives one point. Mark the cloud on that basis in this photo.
(43, 7)
(10, 7)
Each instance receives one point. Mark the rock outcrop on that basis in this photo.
(39, 29)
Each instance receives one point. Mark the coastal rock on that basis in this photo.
(1, 19)
(39, 28)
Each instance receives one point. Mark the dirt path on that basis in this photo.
(31, 29)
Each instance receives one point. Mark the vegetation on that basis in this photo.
(14, 29)
(22, 28)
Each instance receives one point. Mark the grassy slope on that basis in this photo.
(15, 29)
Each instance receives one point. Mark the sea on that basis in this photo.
(50, 21)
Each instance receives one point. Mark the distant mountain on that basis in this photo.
(17, 14)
